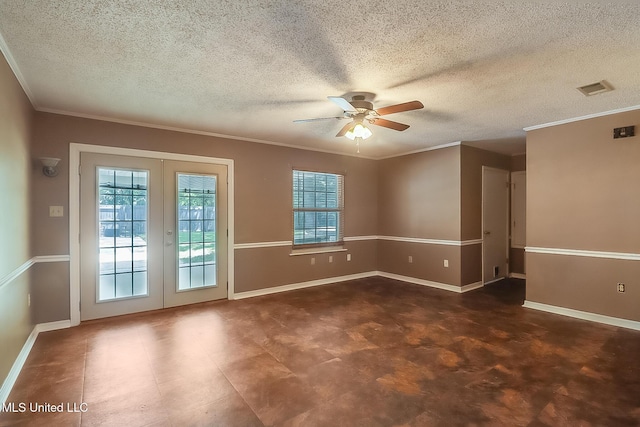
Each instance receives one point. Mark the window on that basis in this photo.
(318, 208)
(122, 224)
(197, 230)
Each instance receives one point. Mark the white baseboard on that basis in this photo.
(320, 282)
(584, 315)
(302, 285)
(518, 276)
(9, 382)
(53, 326)
(17, 366)
(431, 284)
(472, 287)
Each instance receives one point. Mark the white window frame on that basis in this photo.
(297, 208)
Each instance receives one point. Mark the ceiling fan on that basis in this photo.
(361, 112)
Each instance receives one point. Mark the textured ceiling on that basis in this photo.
(483, 70)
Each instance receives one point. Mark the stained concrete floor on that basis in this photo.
(370, 352)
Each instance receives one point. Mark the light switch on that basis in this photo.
(56, 211)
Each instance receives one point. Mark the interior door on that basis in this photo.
(195, 247)
(518, 209)
(153, 234)
(120, 235)
(495, 223)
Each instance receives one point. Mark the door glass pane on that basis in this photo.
(197, 231)
(122, 225)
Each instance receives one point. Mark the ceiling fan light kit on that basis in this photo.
(361, 111)
(358, 131)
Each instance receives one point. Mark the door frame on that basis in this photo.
(507, 222)
(75, 149)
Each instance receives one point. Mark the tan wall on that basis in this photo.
(582, 193)
(419, 195)
(393, 257)
(585, 284)
(15, 165)
(50, 292)
(434, 195)
(263, 199)
(471, 264)
(519, 163)
(269, 267)
(516, 260)
(516, 255)
(582, 186)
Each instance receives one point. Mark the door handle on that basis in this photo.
(486, 233)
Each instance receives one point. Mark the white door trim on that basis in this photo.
(507, 222)
(74, 209)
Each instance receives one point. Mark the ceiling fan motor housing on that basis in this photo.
(358, 101)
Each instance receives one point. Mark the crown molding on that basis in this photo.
(587, 117)
(422, 150)
(194, 132)
(4, 48)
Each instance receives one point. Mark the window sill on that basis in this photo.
(311, 251)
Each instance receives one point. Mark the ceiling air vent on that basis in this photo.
(595, 88)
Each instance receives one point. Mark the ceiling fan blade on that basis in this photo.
(389, 124)
(344, 129)
(343, 103)
(319, 119)
(398, 108)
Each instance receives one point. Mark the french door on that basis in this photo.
(195, 217)
(153, 234)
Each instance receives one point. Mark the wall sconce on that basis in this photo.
(49, 166)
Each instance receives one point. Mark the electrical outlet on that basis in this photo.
(348, 257)
(410, 259)
(446, 263)
(620, 287)
(313, 261)
(56, 211)
(330, 258)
